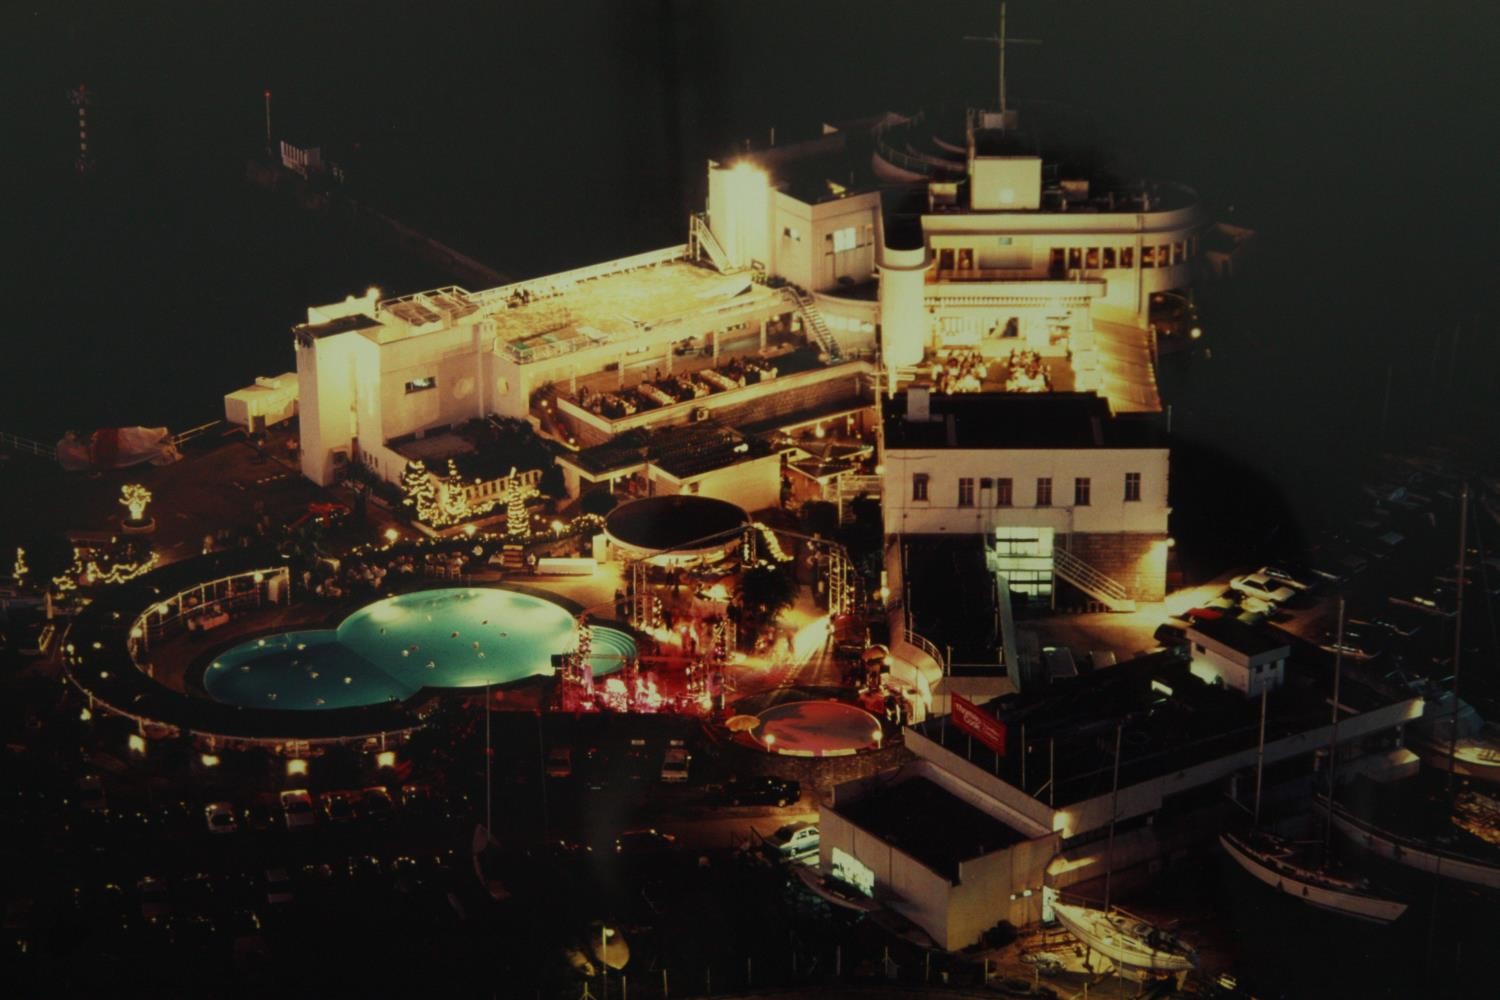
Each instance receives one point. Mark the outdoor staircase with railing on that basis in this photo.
(812, 318)
(1104, 589)
(25, 446)
(703, 243)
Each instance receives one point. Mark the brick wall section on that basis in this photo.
(1137, 561)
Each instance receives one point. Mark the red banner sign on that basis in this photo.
(989, 730)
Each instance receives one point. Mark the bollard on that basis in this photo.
(665, 992)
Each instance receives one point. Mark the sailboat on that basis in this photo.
(1277, 861)
(1443, 853)
(1124, 939)
(1472, 752)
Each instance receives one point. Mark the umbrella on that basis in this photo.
(741, 723)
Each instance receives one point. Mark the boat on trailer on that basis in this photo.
(1126, 940)
(1274, 861)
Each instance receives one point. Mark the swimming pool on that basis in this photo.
(389, 650)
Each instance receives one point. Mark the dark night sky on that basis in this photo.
(1356, 137)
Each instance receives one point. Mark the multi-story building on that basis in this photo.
(1060, 488)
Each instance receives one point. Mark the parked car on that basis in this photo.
(674, 764)
(91, 794)
(1170, 636)
(338, 807)
(220, 817)
(1356, 645)
(560, 762)
(1284, 575)
(762, 791)
(297, 809)
(645, 843)
(279, 887)
(1263, 588)
(156, 898)
(375, 804)
(795, 841)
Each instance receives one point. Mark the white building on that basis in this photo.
(1059, 487)
(1249, 660)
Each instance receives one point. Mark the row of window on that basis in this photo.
(1083, 488)
(1105, 258)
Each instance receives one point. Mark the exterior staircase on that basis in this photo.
(25, 446)
(1104, 589)
(702, 243)
(812, 318)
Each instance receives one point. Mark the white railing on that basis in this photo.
(1091, 581)
(16, 443)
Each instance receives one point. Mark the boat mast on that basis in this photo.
(1114, 799)
(1458, 628)
(1260, 751)
(1333, 736)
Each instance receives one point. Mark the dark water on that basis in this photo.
(541, 136)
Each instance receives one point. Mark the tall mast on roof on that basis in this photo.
(1000, 41)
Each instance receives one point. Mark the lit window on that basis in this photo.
(1132, 486)
(919, 486)
(1109, 257)
(1044, 492)
(422, 384)
(1075, 258)
(843, 239)
(1081, 489)
(1148, 256)
(1003, 493)
(1127, 256)
(1091, 258)
(966, 492)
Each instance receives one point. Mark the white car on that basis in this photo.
(1280, 575)
(674, 765)
(220, 817)
(796, 841)
(1264, 588)
(297, 808)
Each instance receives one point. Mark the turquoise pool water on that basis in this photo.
(393, 648)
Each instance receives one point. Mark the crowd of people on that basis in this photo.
(959, 371)
(1027, 372)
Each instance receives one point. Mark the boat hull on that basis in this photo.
(1413, 854)
(1353, 904)
(1080, 922)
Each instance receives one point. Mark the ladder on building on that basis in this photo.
(703, 243)
(1104, 589)
(812, 319)
(26, 446)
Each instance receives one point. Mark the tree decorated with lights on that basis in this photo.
(418, 491)
(517, 520)
(134, 497)
(19, 569)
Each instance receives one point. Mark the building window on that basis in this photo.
(421, 384)
(1109, 257)
(1075, 258)
(843, 239)
(1127, 256)
(1148, 256)
(792, 234)
(1081, 490)
(1132, 487)
(1044, 492)
(966, 492)
(1179, 252)
(1091, 259)
(919, 486)
(1003, 496)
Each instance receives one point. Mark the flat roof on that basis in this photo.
(682, 450)
(996, 420)
(344, 324)
(1247, 639)
(921, 818)
(1169, 721)
(558, 317)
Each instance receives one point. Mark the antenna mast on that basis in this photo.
(1001, 41)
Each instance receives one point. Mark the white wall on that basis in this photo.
(1105, 467)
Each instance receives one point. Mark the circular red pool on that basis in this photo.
(817, 729)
